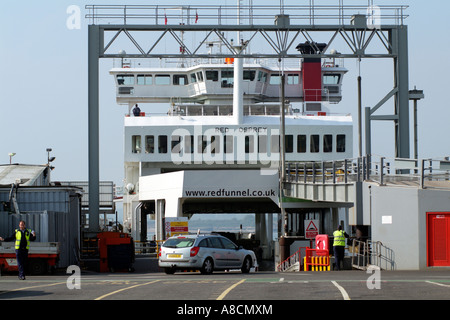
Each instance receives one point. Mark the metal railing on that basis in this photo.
(149, 248)
(249, 14)
(292, 260)
(424, 173)
(367, 253)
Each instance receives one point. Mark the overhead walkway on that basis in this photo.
(337, 181)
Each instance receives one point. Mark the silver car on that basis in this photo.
(205, 253)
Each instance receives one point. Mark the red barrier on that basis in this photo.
(316, 260)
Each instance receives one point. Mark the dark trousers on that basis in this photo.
(338, 256)
(22, 258)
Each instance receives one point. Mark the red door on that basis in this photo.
(438, 239)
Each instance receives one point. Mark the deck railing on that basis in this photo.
(423, 173)
(249, 14)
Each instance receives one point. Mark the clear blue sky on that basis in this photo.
(43, 87)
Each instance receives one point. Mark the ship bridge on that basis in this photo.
(213, 83)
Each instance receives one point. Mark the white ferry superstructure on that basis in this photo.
(218, 146)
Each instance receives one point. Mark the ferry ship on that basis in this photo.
(217, 148)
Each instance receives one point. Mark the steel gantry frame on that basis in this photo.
(358, 31)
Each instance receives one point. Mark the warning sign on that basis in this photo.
(311, 229)
(176, 226)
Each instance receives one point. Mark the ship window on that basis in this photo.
(289, 143)
(180, 79)
(144, 79)
(215, 144)
(149, 144)
(331, 78)
(262, 143)
(340, 143)
(227, 76)
(327, 143)
(228, 144)
(136, 144)
(275, 79)
(262, 76)
(125, 79)
(301, 143)
(314, 143)
(189, 144)
(249, 144)
(212, 75)
(275, 143)
(202, 143)
(162, 144)
(193, 78)
(176, 144)
(292, 79)
(249, 75)
(162, 79)
(200, 76)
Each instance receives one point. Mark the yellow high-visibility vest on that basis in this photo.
(339, 238)
(19, 237)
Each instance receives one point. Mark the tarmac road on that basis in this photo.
(432, 284)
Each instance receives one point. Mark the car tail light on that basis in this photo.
(194, 251)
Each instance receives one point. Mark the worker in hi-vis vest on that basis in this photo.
(22, 237)
(339, 246)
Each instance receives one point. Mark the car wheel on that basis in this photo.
(208, 266)
(246, 265)
(169, 270)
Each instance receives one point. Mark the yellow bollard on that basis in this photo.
(305, 266)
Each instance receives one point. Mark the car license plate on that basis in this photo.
(174, 256)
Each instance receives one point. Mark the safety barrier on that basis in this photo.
(292, 260)
(316, 260)
(146, 248)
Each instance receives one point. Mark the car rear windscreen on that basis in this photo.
(179, 243)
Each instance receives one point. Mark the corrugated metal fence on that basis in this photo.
(49, 227)
(53, 213)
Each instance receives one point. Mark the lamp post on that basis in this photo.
(11, 154)
(416, 95)
(49, 159)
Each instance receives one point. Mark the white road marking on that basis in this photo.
(342, 290)
(439, 284)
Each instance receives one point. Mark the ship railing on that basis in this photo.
(295, 112)
(316, 95)
(288, 63)
(227, 110)
(423, 173)
(252, 14)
